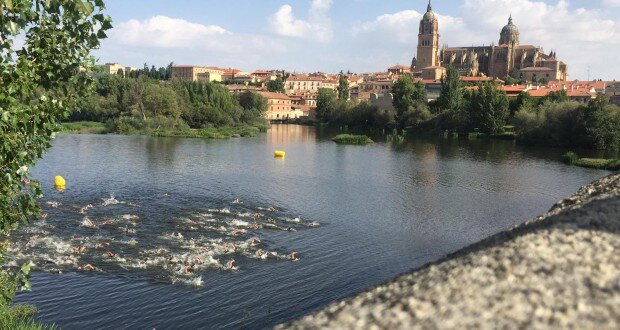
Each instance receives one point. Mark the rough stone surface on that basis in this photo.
(559, 270)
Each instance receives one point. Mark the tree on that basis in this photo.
(407, 95)
(39, 83)
(254, 105)
(276, 85)
(557, 96)
(325, 104)
(343, 87)
(451, 97)
(161, 101)
(489, 109)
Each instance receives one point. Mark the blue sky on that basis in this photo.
(357, 35)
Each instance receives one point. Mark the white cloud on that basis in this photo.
(317, 27)
(611, 3)
(160, 40)
(165, 32)
(581, 37)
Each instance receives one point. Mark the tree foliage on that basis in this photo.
(488, 109)
(39, 82)
(408, 96)
(343, 87)
(325, 104)
(276, 85)
(451, 97)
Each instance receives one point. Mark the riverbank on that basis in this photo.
(222, 132)
(559, 270)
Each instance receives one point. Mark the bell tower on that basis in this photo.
(428, 40)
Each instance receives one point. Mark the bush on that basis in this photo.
(352, 139)
(20, 317)
(570, 158)
(598, 163)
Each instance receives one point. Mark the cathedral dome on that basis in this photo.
(429, 15)
(509, 34)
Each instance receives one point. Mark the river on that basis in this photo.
(356, 215)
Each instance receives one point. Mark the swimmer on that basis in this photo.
(88, 268)
(85, 208)
(272, 209)
(106, 221)
(198, 259)
(237, 201)
(254, 225)
(188, 268)
(109, 254)
(43, 216)
(100, 246)
(53, 204)
(293, 257)
(230, 265)
(130, 231)
(79, 250)
(177, 235)
(254, 241)
(290, 229)
(237, 232)
(86, 222)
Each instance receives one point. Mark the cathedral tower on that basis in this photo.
(428, 40)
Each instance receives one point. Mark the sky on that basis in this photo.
(355, 35)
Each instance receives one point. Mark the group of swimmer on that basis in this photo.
(197, 244)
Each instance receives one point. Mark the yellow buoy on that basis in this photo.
(279, 154)
(59, 181)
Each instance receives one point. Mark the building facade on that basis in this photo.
(279, 106)
(508, 57)
(197, 73)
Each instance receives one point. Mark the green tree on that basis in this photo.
(325, 104)
(39, 83)
(489, 109)
(161, 101)
(603, 123)
(451, 97)
(254, 106)
(276, 85)
(557, 96)
(408, 95)
(343, 87)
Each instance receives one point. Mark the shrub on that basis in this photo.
(598, 163)
(570, 158)
(352, 139)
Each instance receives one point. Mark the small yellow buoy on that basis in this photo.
(279, 154)
(59, 182)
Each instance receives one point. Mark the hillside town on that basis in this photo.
(513, 67)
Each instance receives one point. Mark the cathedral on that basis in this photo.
(527, 62)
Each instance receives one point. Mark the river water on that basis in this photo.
(356, 216)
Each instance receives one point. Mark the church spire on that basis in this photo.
(429, 7)
(509, 18)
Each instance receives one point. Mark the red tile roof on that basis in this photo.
(277, 96)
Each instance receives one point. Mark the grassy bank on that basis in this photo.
(162, 129)
(598, 163)
(20, 317)
(352, 139)
(83, 127)
(572, 158)
(210, 133)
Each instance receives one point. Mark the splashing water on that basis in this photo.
(180, 250)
